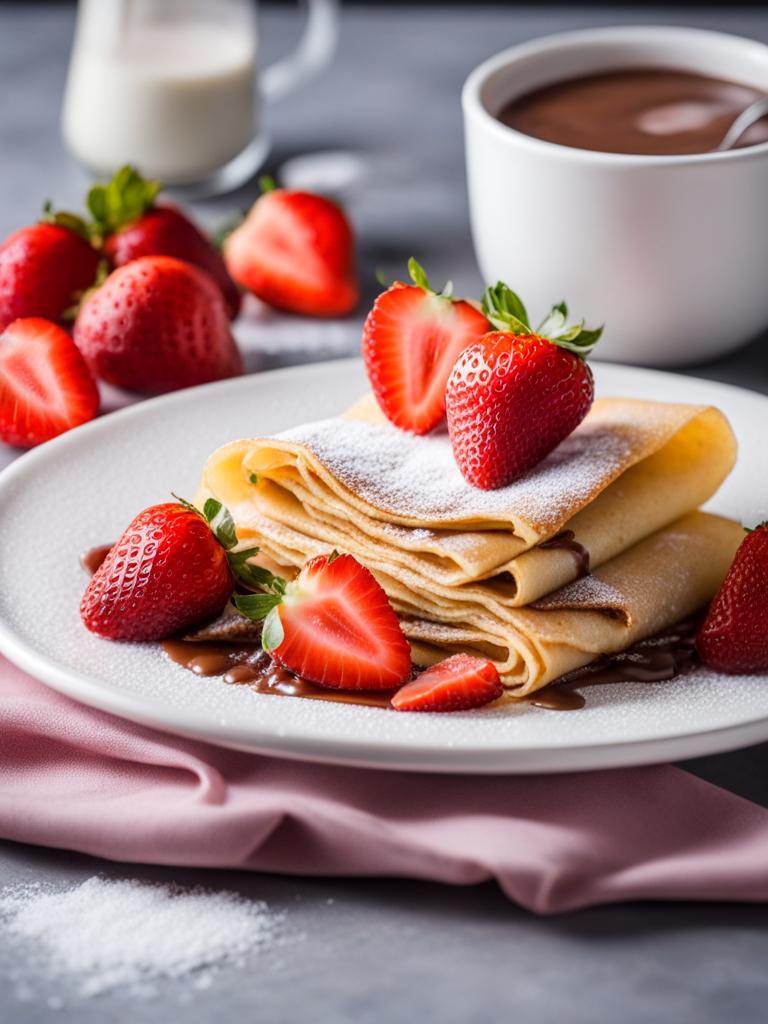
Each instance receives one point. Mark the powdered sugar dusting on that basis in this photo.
(588, 591)
(416, 478)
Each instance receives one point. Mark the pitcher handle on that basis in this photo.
(313, 52)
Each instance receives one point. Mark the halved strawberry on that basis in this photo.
(295, 251)
(45, 385)
(333, 625)
(456, 684)
(411, 339)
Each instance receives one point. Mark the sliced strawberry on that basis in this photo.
(45, 385)
(295, 251)
(411, 340)
(456, 684)
(132, 225)
(333, 626)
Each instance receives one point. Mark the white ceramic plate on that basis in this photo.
(82, 489)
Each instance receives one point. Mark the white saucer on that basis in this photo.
(82, 489)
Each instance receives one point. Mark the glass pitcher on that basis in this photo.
(173, 87)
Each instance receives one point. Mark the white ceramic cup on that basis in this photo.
(670, 252)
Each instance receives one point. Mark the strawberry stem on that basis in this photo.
(63, 219)
(121, 201)
(222, 525)
(420, 279)
(505, 310)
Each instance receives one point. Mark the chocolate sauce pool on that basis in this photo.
(650, 111)
(248, 663)
(654, 660)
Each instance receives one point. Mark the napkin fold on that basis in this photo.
(75, 778)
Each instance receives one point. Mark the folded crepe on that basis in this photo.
(465, 568)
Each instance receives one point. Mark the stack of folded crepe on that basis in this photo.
(502, 573)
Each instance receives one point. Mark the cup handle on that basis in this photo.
(314, 51)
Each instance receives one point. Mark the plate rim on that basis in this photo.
(358, 752)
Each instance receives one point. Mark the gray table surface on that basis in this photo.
(383, 950)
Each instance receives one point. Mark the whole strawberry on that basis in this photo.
(411, 339)
(516, 393)
(155, 325)
(172, 569)
(734, 635)
(130, 225)
(295, 251)
(44, 268)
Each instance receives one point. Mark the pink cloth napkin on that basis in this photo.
(79, 779)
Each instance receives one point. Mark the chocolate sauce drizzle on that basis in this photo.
(205, 653)
(566, 541)
(249, 664)
(654, 660)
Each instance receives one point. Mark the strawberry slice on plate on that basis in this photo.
(333, 625)
(459, 683)
(45, 385)
(411, 340)
(295, 251)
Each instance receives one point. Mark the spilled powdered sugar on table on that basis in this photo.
(129, 937)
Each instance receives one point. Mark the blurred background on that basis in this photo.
(380, 127)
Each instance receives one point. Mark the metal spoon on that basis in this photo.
(745, 120)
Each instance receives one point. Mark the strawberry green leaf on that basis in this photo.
(418, 275)
(333, 556)
(121, 201)
(578, 339)
(255, 606)
(221, 522)
(267, 184)
(420, 279)
(272, 635)
(187, 504)
(70, 221)
(555, 322)
(253, 478)
(505, 310)
(254, 576)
